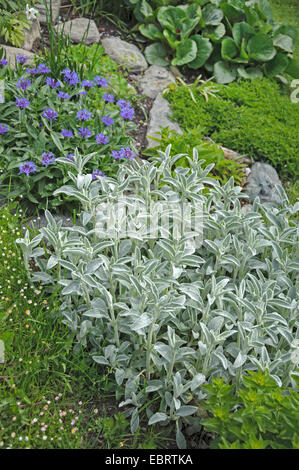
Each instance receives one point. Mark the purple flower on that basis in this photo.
(102, 139)
(42, 68)
(3, 129)
(48, 158)
(107, 120)
(66, 133)
(63, 95)
(84, 115)
(32, 71)
(70, 77)
(101, 81)
(22, 103)
(127, 113)
(24, 84)
(52, 82)
(123, 103)
(97, 173)
(82, 93)
(123, 153)
(88, 83)
(3, 62)
(21, 59)
(27, 168)
(70, 156)
(84, 132)
(50, 114)
(108, 98)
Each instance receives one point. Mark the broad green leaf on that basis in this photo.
(171, 18)
(250, 72)
(155, 54)
(204, 50)
(277, 65)
(185, 53)
(228, 49)
(266, 9)
(224, 72)
(283, 42)
(150, 31)
(260, 48)
(171, 39)
(212, 15)
(240, 31)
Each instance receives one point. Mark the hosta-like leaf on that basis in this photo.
(212, 15)
(260, 48)
(204, 50)
(224, 72)
(186, 52)
(156, 54)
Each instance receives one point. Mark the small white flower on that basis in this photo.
(31, 13)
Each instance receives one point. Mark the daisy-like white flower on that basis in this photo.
(31, 13)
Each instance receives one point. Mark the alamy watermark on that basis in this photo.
(295, 93)
(2, 91)
(2, 350)
(131, 218)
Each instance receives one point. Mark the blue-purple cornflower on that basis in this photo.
(107, 120)
(70, 156)
(88, 83)
(123, 153)
(101, 81)
(84, 132)
(83, 115)
(127, 113)
(27, 168)
(108, 98)
(32, 71)
(3, 62)
(70, 77)
(24, 84)
(102, 139)
(66, 133)
(3, 129)
(97, 173)
(50, 114)
(123, 103)
(42, 68)
(47, 159)
(22, 103)
(22, 59)
(52, 82)
(63, 95)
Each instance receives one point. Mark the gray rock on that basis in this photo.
(154, 80)
(159, 117)
(31, 35)
(44, 7)
(12, 52)
(261, 183)
(125, 54)
(80, 28)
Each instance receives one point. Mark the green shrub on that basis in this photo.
(261, 415)
(250, 117)
(168, 311)
(13, 20)
(210, 153)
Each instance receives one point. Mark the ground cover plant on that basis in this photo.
(45, 117)
(261, 415)
(250, 117)
(51, 396)
(223, 168)
(229, 38)
(167, 316)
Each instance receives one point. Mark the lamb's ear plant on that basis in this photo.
(166, 314)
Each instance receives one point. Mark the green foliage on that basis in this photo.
(250, 117)
(113, 430)
(167, 311)
(231, 39)
(30, 134)
(13, 21)
(222, 170)
(260, 415)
